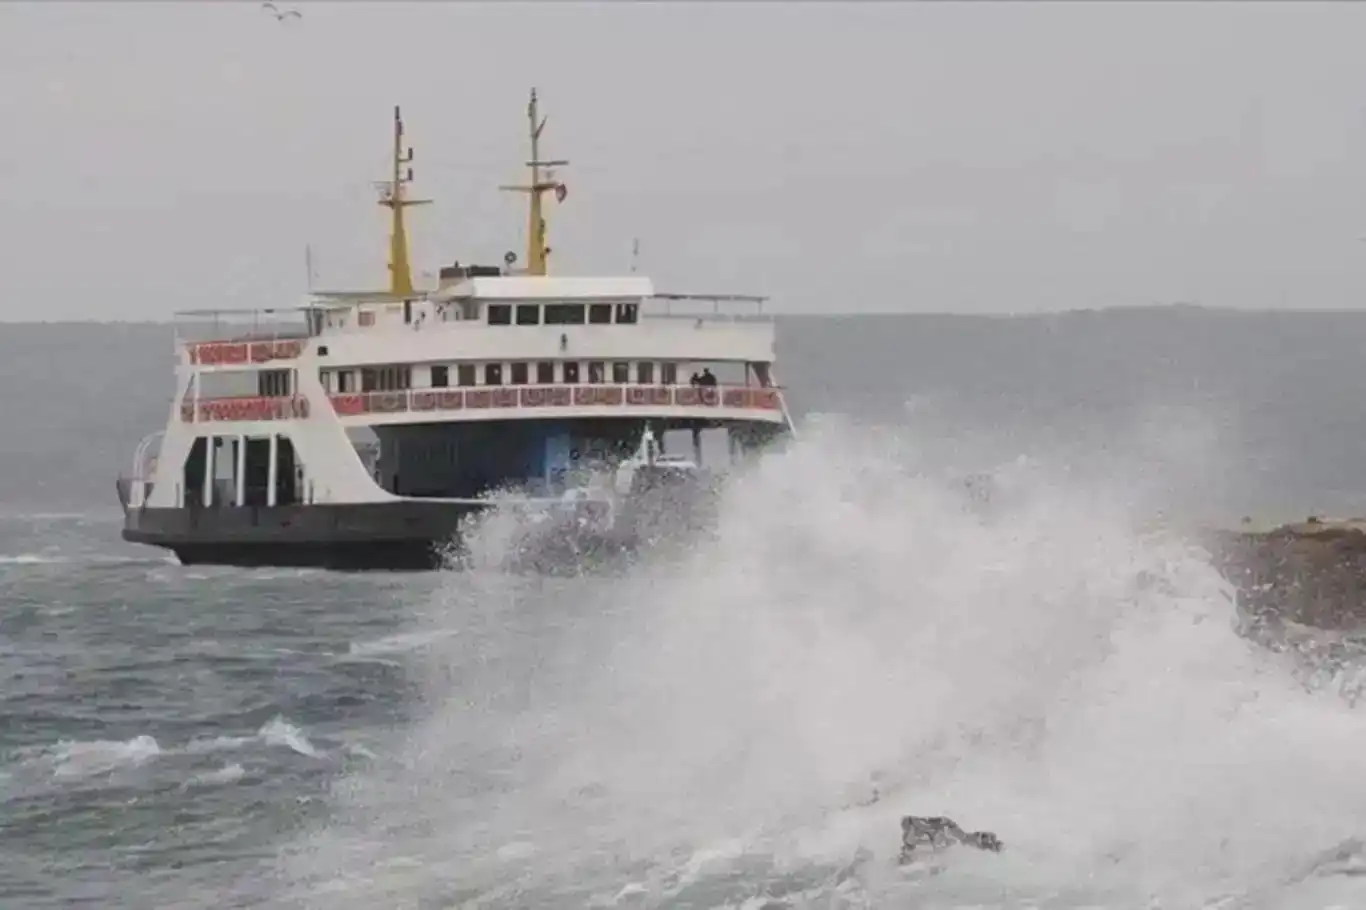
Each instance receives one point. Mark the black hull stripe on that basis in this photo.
(406, 536)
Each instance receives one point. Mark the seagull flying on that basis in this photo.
(267, 5)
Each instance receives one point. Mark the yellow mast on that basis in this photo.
(537, 249)
(394, 198)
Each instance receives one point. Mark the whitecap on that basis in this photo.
(226, 775)
(87, 759)
(280, 732)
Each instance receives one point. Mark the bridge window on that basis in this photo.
(621, 372)
(571, 371)
(668, 373)
(464, 374)
(493, 374)
(627, 313)
(272, 383)
(645, 372)
(440, 377)
(385, 379)
(600, 314)
(564, 314)
(519, 373)
(500, 314)
(545, 372)
(528, 314)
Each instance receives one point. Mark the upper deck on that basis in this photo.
(543, 364)
(481, 316)
(513, 317)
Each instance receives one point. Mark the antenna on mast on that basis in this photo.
(308, 265)
(537, 248)
(635, 254)
(393, 196)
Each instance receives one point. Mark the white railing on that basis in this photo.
(706, 307)
(135, 486)
(262, 324)
(622, 398)
(617, 397)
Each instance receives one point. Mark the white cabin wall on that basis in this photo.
(323, 447)
(661, 339)
(554, 288)
(331, 467)
(175, 447)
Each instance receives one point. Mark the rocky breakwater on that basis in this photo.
(1310, 573)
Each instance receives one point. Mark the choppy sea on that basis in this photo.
(740, 724)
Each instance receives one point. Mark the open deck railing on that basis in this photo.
(623, 397)
(265, 324)
(135, 486)
(727, 307)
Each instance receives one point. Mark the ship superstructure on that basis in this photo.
(359, 429)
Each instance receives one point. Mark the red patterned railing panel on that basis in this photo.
(450, 400)
(656, 395)
(386, 402)
(765, 399)
(695, 396)
(348, 405)
(247, 408)
(232, 353)
(558, 396)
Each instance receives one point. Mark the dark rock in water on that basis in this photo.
(1312, 573)
(934, 833)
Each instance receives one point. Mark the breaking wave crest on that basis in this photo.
(745, 722)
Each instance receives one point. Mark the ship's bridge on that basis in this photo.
(540, 317)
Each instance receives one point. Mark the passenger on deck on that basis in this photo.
(707, 378)
(694, 380)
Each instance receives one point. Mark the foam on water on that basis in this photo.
(710, 729)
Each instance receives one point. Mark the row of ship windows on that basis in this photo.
(563, 314)
(545, 372)
(275, 383)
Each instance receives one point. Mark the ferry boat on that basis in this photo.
(361, 429)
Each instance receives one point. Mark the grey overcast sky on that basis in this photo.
(963, 157)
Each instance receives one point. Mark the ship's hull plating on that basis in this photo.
(398, 536)
(403, 536)
(663, 505)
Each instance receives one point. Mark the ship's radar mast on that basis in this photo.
(393, 196)
(541, 182)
